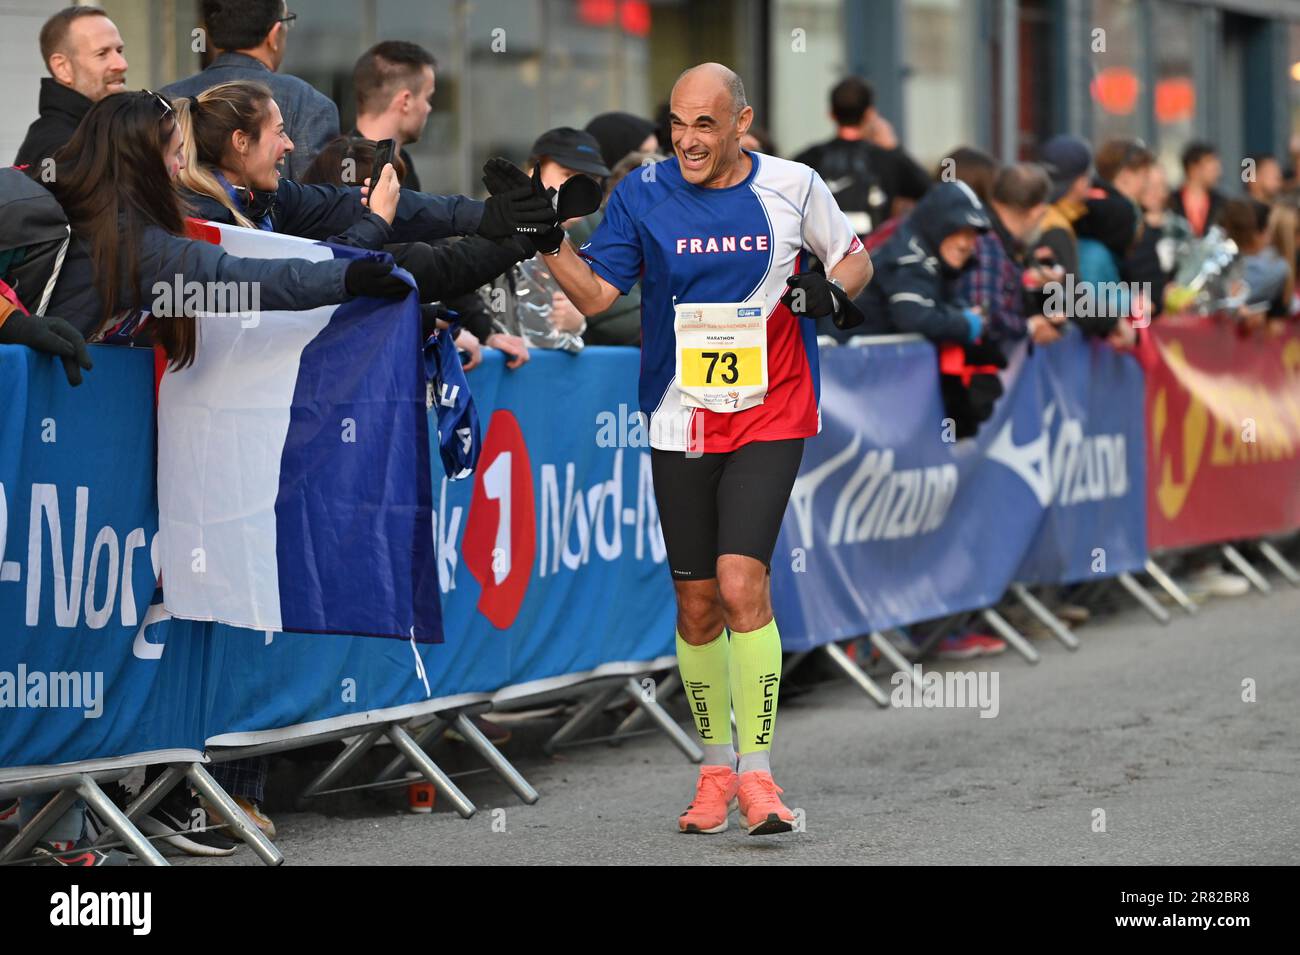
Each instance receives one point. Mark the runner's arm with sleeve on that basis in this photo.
(608, 264)
(829, 236)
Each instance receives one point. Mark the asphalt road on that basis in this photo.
(1144, 722)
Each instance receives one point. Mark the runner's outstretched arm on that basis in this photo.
(589, 293)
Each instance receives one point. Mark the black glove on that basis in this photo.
(50, 335)
(503, 178)
(514, 204)
(820, 297)
(368, 277)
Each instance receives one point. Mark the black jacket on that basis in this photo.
(61, 111)
(335, 213)
(913, 290)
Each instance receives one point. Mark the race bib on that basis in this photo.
(721, 356)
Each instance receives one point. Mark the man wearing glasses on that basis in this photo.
(249, 37)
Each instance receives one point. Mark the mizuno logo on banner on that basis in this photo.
(1071, 469)
(877, 502)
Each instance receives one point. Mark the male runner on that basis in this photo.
(731, 393)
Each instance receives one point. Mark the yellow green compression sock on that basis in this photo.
(755, 681)
(705, 674)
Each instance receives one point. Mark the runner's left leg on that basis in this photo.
(752, 496)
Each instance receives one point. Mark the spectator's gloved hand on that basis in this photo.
(367, 277)
(515, 204)
(812, 295)
(50, 335)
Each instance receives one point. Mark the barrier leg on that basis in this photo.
(429, 769)
(792, 661)
(587, 712)
(1247, 571)
(666, 688)
(1170, 587)
(425, 735)
(1009, 633)
(1045, 616)
(20, 845)
(238, 821)
(1274, 557)
(149, 797)
(855, 673)
(492, 756)
(1129, 583)
(895, 657)
(350, 756)
(116, 820)
(655, 711)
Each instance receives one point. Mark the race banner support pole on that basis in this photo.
(149, 797)
(1009, 633)
(587, 712)
(895, 657)
(1170, 587)
(236, 818)
(20, 845)
(430, 770)
(1129, 583)
(1274, 557)
(492, 756)
(686, 743)
(115, 819)
(1044, 616)
(670, 684)
(792, 661)
(1247, 570)
(855, 673)
(350, 756)
(426, 734)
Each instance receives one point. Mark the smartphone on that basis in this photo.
(383, 156)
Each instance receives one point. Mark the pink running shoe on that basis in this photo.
(761, 809)
(715, 797)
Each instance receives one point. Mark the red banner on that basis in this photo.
(1223, 433)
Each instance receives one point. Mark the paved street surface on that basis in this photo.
(1144, 722)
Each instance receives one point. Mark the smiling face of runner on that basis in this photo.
(707, 127)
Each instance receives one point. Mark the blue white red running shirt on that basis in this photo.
(737, 244)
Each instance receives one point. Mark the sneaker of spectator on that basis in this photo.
(251, 808)
(1214, 581)
(968, 645)
(79, 853)
(183, 824)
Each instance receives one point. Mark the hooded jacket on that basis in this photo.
(913, 289)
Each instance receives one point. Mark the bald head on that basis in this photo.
(708, 78)
(708, 114)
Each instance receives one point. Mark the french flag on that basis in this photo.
(294, 485)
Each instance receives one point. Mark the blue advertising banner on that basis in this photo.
(892, 521)
(83, 672)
